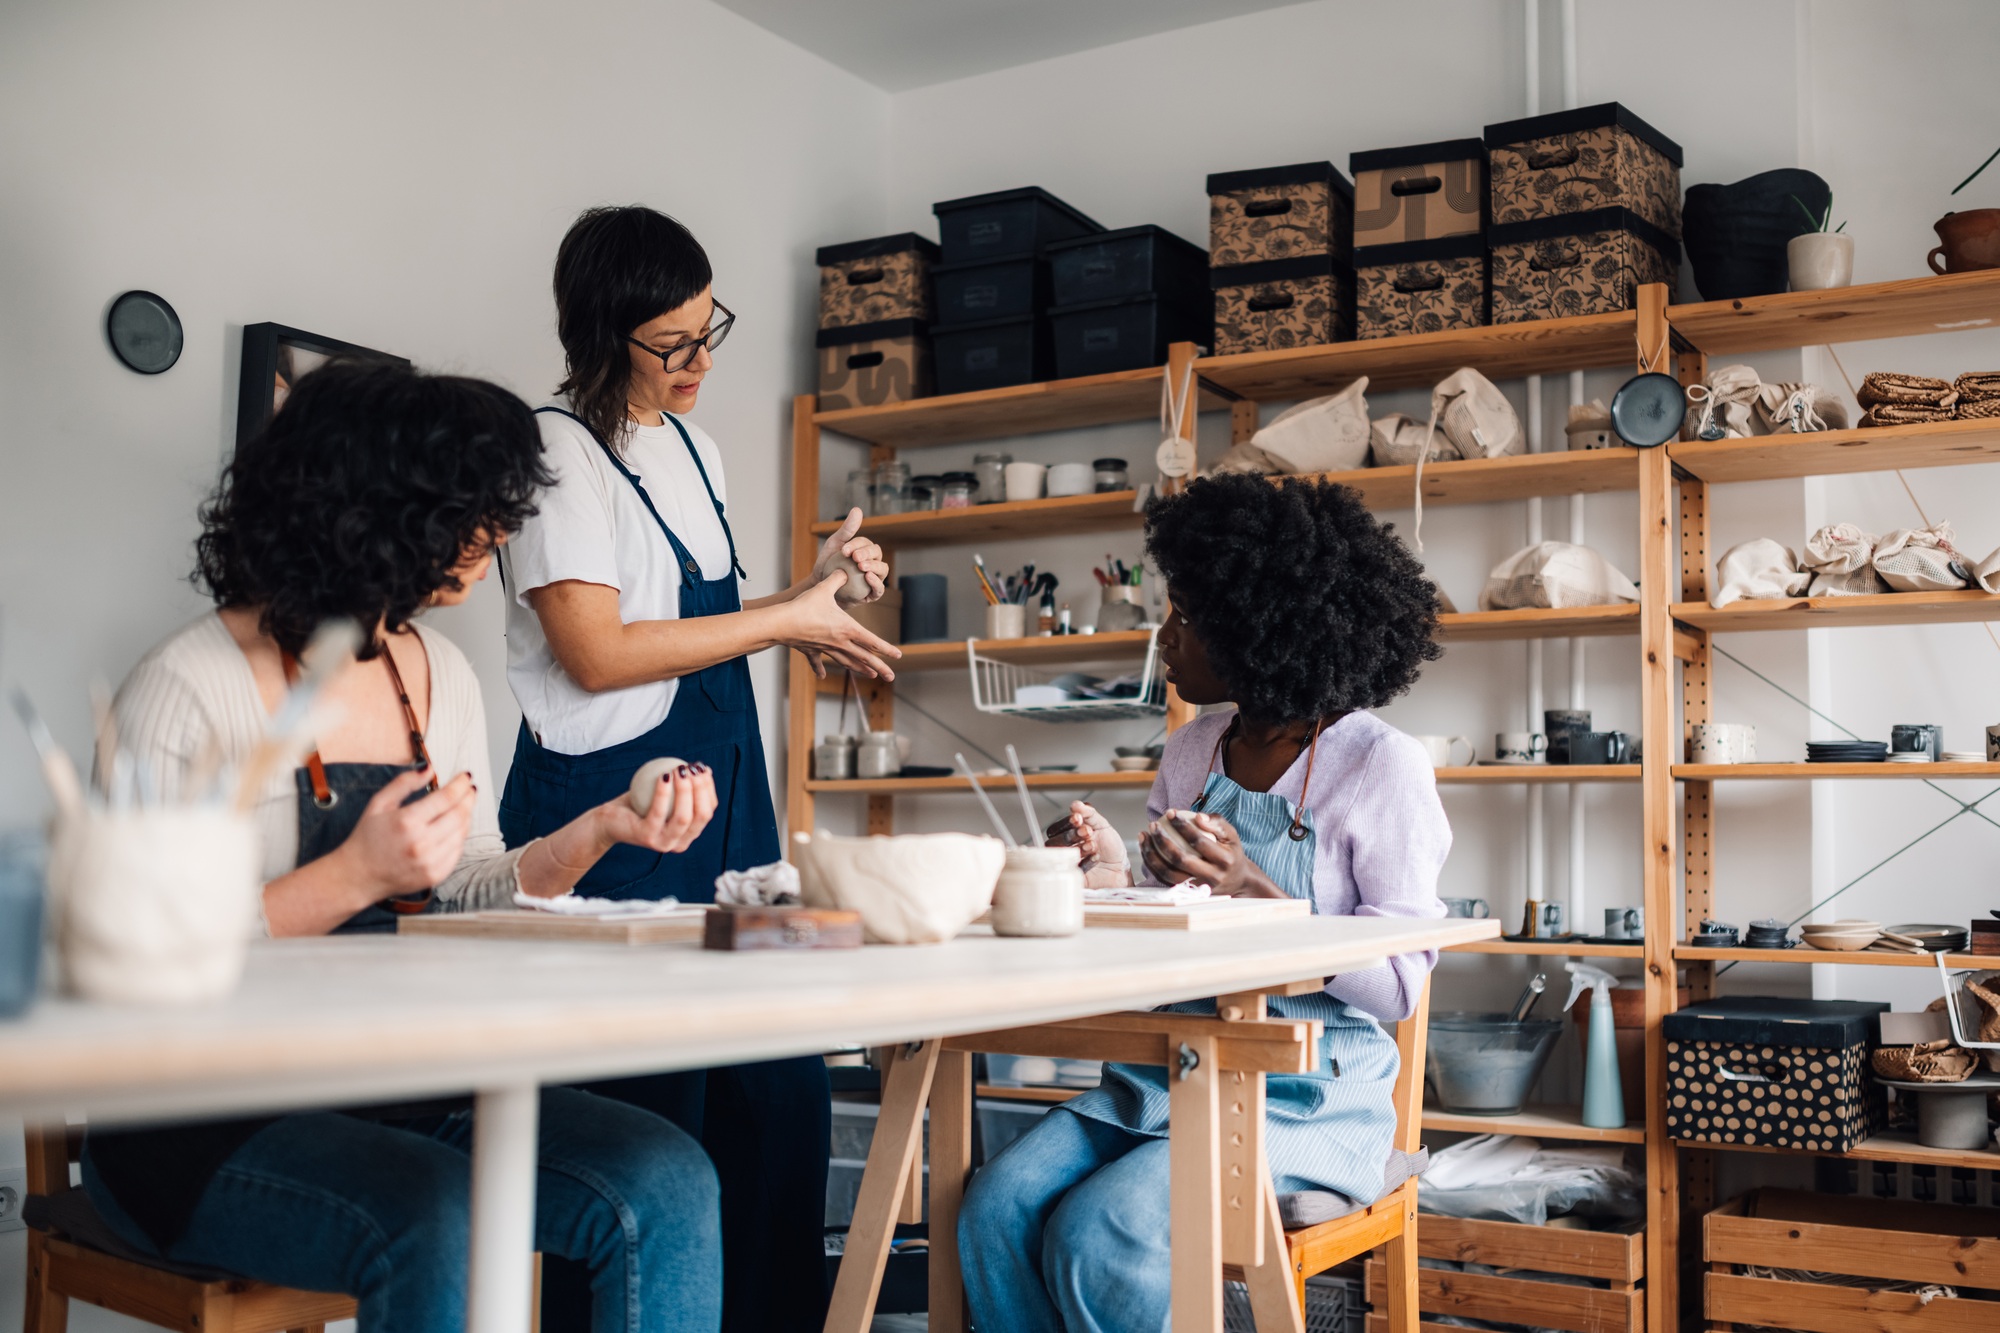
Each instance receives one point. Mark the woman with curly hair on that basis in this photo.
(1290, 601)
(376, 492)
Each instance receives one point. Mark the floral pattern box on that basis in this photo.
(1582, 264)
(1420, 287)
(1579, 161)
(1257, 217)
(869, 282)
(1290, 303)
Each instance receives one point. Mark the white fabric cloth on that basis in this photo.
(593, 528)
(1179, 895)
(1759, 568)
(569, 904)
(1555, 574)
(1840, 558)
(1921, 560)
(196, 685)
(773, 885)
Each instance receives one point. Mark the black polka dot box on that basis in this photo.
(1774, 1072)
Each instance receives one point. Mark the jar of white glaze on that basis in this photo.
(1040, 892)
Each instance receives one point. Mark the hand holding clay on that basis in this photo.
(651, 779)
(669, 804)
(860, 558)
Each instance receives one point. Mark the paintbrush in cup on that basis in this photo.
(1005, 835)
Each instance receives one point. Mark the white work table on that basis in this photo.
(358, 1019)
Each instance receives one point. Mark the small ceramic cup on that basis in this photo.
(1438, 748)
(1722, 743)
(1008, 620)
(1624, 923)
(1599, 747)
(1559, 724)
(1467, 907)
(1917, 738)
(1993, 745)
(1040, 893)
(1024, 481)
(1072, 479)
(1521, 747)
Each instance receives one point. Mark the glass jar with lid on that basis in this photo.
(892, 488)
(991, 469)
(860, 491)
(961, 490)
(926, 492)
(1111, 474)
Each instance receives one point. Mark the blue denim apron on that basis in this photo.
(1328, 1130)
(713, 721)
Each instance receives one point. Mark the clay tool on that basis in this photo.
(106, 733)
(1006, 835)
(1531, 995)
(1021, 786)
(57, 769)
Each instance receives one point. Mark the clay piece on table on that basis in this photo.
(647, 781)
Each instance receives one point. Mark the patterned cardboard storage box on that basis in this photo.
(1289, 303)
(872, 281)
(866, 365)
(1420, 287)
(1575, 161)
(1774, 1072)
(1420, 193)
(1257, 217)
(1581, 264)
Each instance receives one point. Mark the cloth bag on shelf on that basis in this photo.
(1327, 434)
(1554, 575)
(1760, 568)
(1840, 558)
(1470, 418)
(1921, 560)
(1735, 403)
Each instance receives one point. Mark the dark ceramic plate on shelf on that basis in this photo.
(1607, 939)
(1936, 938)
(1714, 940)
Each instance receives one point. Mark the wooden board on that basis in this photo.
(1839, 452)
(1551, 948)
(1813, 772)
(1215, 914)
(1614, 1256)
(1570, 622)
(1811, 1307)
(1021, 409)
(1501, 775)
(1110, 512)
(1040, 781)
(1906, 307)
(1890, 1239)
(1837, 957)
(1888, 1146)
(1465, 481)
(1512, 1300)
(1794, 613)
(1543, 1122)
(671, 928)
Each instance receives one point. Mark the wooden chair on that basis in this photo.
(64, 1267)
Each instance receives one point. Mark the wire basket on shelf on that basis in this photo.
(996, 684)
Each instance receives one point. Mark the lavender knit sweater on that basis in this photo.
(1380, 835)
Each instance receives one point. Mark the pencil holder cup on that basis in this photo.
(155, 905)
(1120, 610)
(1009, 620)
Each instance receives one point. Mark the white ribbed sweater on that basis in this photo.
(196, 684)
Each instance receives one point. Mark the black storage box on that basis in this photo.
(1574, 161)
(1577, 264)
(1132, 261)
(1420, 287)
(1008, 224)
(1301, 302)
(991, 289)
(1421, 193)
(1774, 1072)
(992, 354)
(866, 365)
(1129, 333)
(1273, 213)
(882, 278)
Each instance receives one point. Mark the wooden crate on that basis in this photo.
(1884, 1239)
(1617, 1257)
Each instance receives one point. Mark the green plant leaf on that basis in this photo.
(1975, 175)
(1817, 223)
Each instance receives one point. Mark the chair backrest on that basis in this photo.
(1409, 1094)
(51, 1147)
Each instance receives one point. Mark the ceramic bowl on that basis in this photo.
(916, 888)
(1843, 941)
(1072, 479)
(1133, 763)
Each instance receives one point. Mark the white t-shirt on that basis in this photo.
(594, 528)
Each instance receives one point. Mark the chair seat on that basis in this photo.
(70, 1214)
(1312, 1208)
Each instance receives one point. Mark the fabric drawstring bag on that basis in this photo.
(1473, 417)
(1327, 434)
(1921, 560)
(1759, 568)
(1735, 403)
(1553, 575)
(1840, 557)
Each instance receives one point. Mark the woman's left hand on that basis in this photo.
(668, 826)
(1188, 845)
(863, 551)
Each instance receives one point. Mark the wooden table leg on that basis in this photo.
(951, 1165)
(1275, 1302)
(1195, 1156)
(898, 1142)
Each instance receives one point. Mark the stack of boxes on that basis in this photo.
(1420, 238)
(993, 287)
(874, 321)
(1280, 246)
(1122, 296)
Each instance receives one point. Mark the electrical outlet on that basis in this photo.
(13, 1188)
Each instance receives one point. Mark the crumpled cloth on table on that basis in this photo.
(1152, 895)
(773, 885)
(569, 904)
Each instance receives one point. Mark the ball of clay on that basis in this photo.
(855, 590)
(647, 781)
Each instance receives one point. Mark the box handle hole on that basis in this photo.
(1540, 159)
(1417, 185)
(864, 360)
(1412, 281)
(1764, 1073)
(862, 277)
(1266, 208)
(1275, 301)
(1547, 260)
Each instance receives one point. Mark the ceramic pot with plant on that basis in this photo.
(1968, 240)
(1820, 259)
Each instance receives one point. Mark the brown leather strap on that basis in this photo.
(1298, 828)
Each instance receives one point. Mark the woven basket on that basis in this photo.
(1882, 386)
(1903, 414)
(1977, 407)
(1978, 384)
(1940, 1061)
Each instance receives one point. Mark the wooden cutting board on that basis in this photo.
(675, 926)
(1213, 914)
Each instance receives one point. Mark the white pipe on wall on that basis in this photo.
(1577, 662)
(1537, 868)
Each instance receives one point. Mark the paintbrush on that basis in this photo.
(57, 769)
(979, 791)
(1021, 785)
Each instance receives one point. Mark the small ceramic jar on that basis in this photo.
(878, 756)
(991, 469)
(833, 758)
(1110, 475)
(1040, 893)
(960, 488)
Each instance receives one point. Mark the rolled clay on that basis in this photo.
(855, 590)
(647, 781)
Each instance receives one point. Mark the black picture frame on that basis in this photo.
(273, 349)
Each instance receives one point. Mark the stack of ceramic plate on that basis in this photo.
(1933, 938)
(1845, 935)
(1964, 757)
(1846, 752)
(1910, 757)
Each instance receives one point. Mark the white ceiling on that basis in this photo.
(901, 44)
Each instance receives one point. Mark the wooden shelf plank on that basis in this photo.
(1111, 511)
(1539, 623)
(1543, 1122)
(1493, 480)
(1551, 949)
(1501, 775)
(1033, 1093)
(1794, 613)
(1845, 314)
(1814, 772)
(994, 414)
(1501, 351)
(1836, 957)
(1837, 452)
(1889, 1146)
(1052, 781)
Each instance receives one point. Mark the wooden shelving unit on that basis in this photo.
(1688, 953)
(1671, 624)
(1543, 1122)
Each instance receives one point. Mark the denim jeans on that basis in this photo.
(328, 1202)
(1066, 1232)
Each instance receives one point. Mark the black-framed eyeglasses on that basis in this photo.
(676, 357)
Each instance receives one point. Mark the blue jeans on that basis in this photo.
(328, 1202)
(1066, 1232)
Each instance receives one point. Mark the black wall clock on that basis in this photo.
(145, 332)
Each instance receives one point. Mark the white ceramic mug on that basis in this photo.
(1040, 893)
(1722, 743)
(1439, 749)
(1072, 479)
(1521, 747)
(1624, 923)
(1474, 908)
(1008, 620)
(1024, 481)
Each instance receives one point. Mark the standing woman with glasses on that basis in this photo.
(627, 639)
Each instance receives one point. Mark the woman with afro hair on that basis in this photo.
(1290, 601)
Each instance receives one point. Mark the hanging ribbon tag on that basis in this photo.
(1175, 457)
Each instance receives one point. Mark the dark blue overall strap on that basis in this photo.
(723, 518)
(690, 567)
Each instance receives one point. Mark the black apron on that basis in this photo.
(713, 721)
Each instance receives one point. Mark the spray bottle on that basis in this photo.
(1603, 1098)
